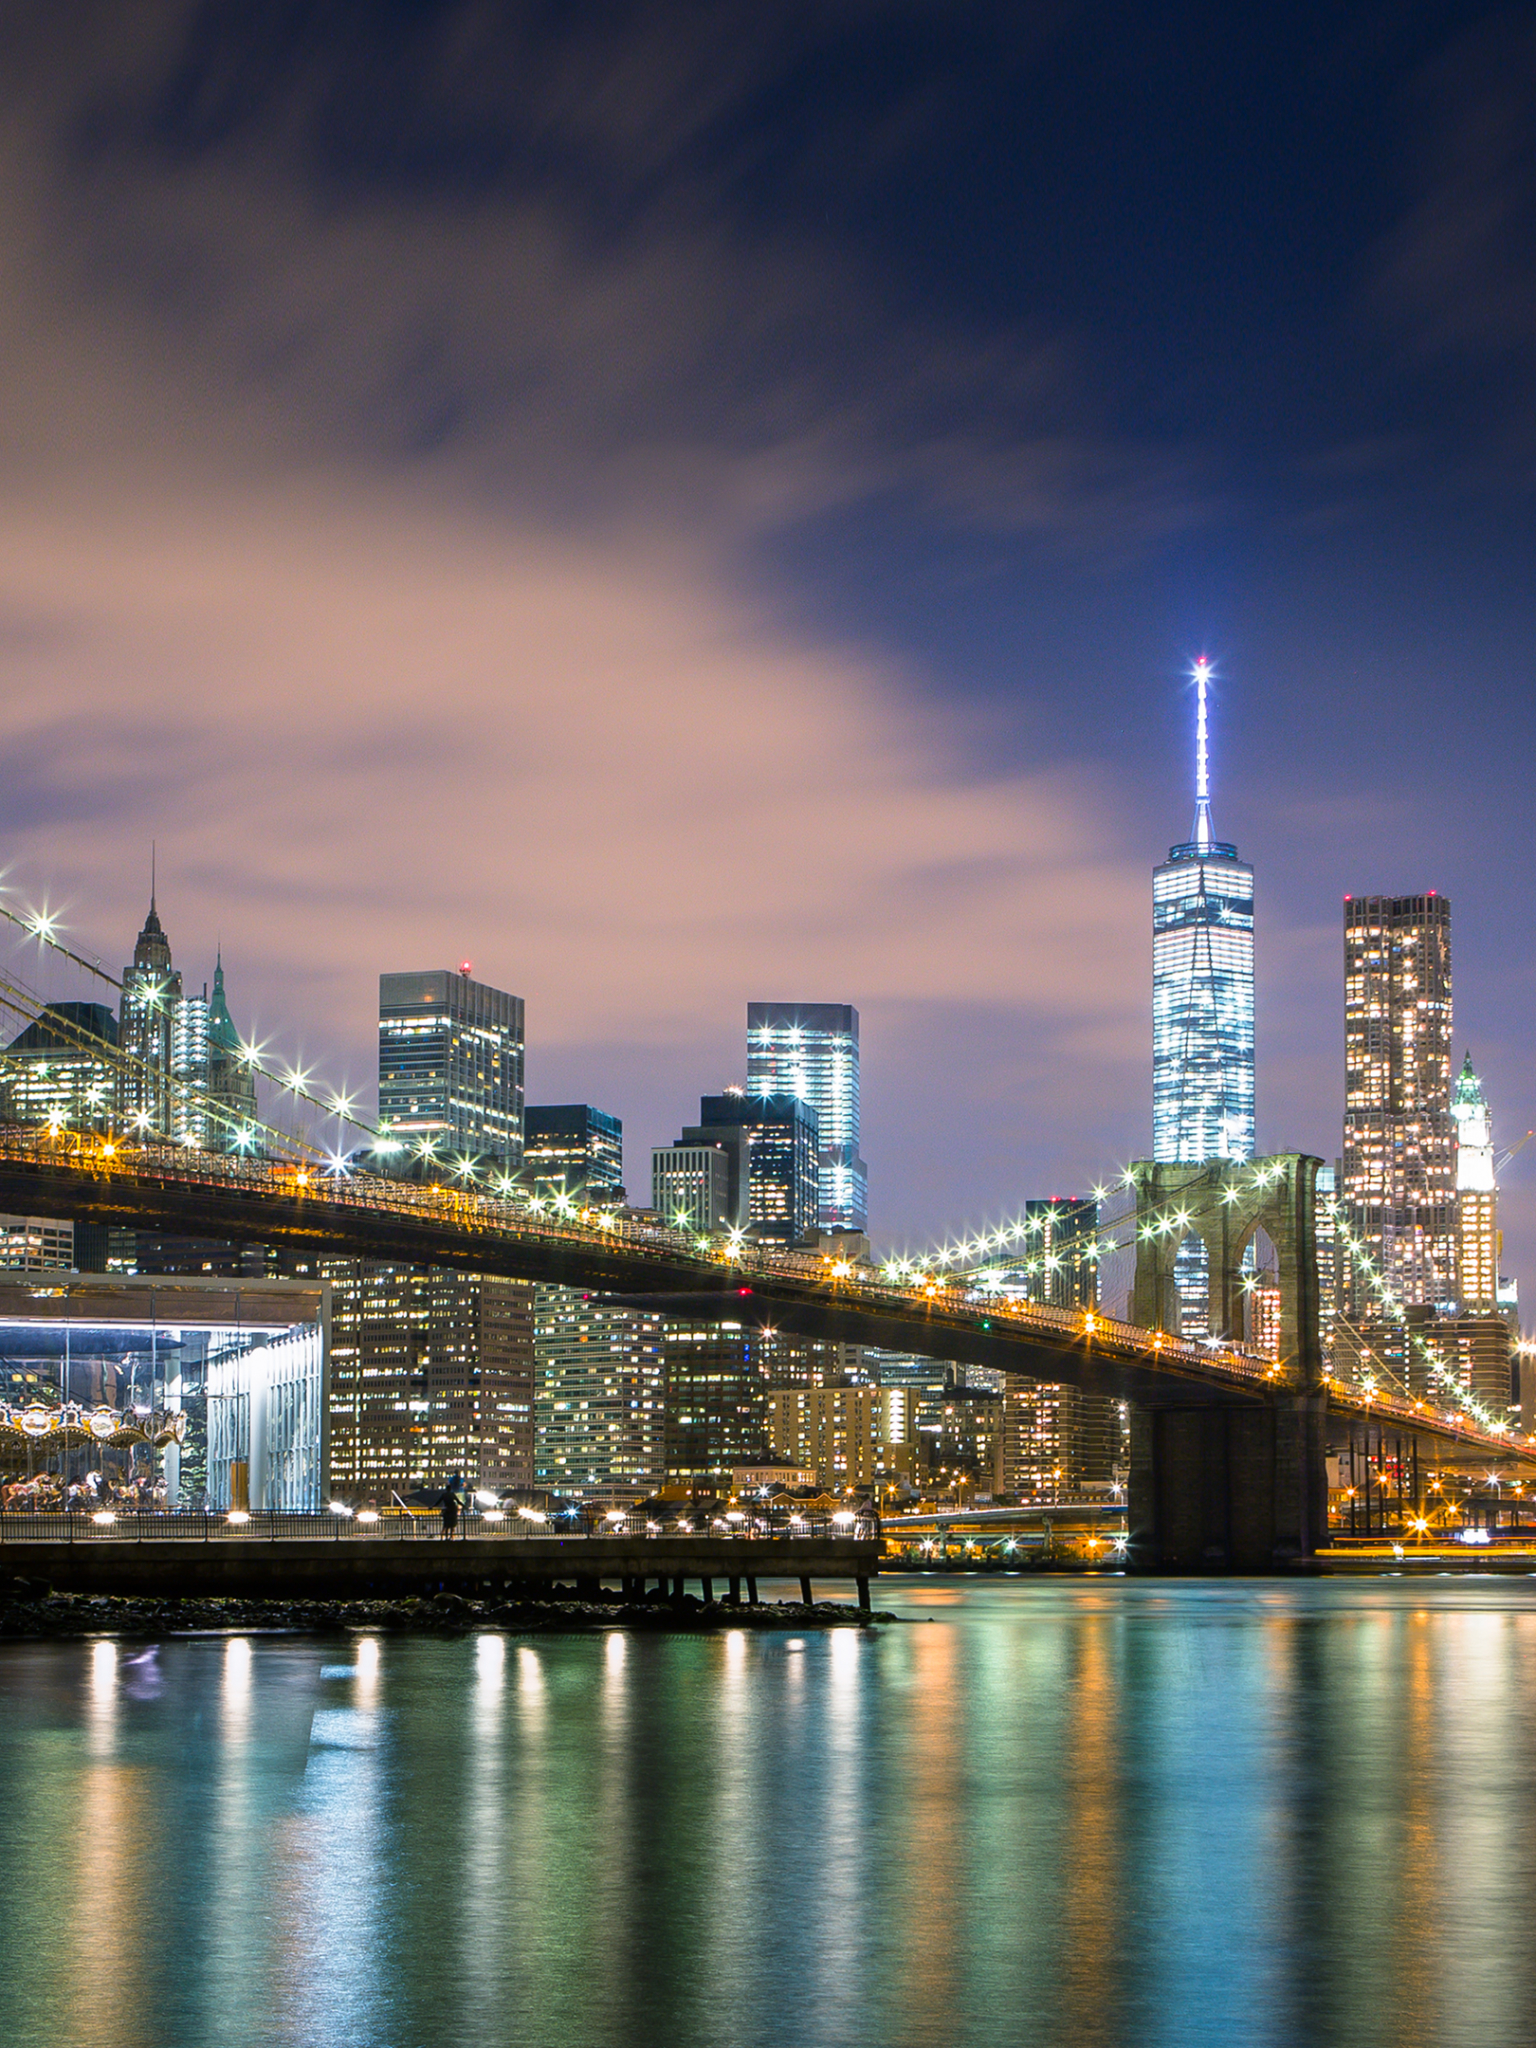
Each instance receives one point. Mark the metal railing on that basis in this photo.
(51, 1526)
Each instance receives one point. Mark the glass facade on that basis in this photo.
(811, 1051)
(60, 1070)
(570, 1148)
(783, 1180)
(1202, 1005)
(451, 1066)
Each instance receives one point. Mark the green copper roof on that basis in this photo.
(221, 1026)
(1468, 1092)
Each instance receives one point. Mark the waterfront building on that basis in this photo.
(600, 1408)
(811, 1051)
(773, 1139)
(575, 1152)
(1202, 1006)
(451, 1066)
(432, 1373)
(1399, 1165)
(717, 1377)
(151, 988)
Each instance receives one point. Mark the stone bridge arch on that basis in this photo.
(1224, 1203)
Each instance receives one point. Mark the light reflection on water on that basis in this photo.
(1056, 1812)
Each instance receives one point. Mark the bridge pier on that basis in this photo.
(1228, 1489)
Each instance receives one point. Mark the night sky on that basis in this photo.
(685, 504)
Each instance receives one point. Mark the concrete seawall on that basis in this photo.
(363, 1569)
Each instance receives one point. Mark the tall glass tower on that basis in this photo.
(811, 1050)
(1202, 1002)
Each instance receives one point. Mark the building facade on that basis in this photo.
(691, 1187)
(1399, 1162)
(776, 1143)
(1477, 1197)
(451, 1066)
(60, 1070)
(854, 1438)
(811, 1051)
(600, 1409)
(575, 1152)
(151, 990)
(432, 1373)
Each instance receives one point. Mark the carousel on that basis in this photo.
(34, 1427)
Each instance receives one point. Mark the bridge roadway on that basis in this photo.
(306, 1210)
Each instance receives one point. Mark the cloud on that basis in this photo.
(376, 533)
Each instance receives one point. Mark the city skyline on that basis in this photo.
(947, 629)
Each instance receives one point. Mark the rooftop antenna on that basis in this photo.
(1204, 836)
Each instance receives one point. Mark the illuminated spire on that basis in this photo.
(1203, 836)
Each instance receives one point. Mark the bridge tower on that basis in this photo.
(1236, 1486)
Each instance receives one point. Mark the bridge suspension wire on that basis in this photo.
(1462, 1398)
(39, 926)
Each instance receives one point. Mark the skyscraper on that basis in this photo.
(1399, 1165)
(811, 1050)
(231, 1082)
(151, 988)
(570, 1148)
(1202, 1006)
(60, 1070)
(783, 1184)
(1477, 1200)
(451, 1065)
(1202, 985)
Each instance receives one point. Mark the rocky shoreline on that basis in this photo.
(32, 1613)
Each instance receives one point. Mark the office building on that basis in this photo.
(600, 1407)
(773, 1140)
(31, 1244)
(151, 989)
(231, 1082)
(189, 1070)
(1202, 1007)
(1477, 1200)
(717, 1381)
(60, 1070)
(574, 1152)
(691, 1185)
(432, 1373)
(451, 1067)
(811, 1051)
(1399, 1166)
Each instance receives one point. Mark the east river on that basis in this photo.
(1055, 1811)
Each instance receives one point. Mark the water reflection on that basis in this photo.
(1053, 1814)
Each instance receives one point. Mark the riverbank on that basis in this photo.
(32, 1613)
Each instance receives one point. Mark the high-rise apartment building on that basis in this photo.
(852, 1437)
(1399, 1164)
(811, 1051)
(780, 1159)
(1202, 986)
(571, 1149)
(151, 990)
(451, 1066)
(601, 1403)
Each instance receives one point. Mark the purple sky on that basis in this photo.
(679, 505)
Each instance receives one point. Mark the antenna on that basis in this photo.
(1204, 836)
